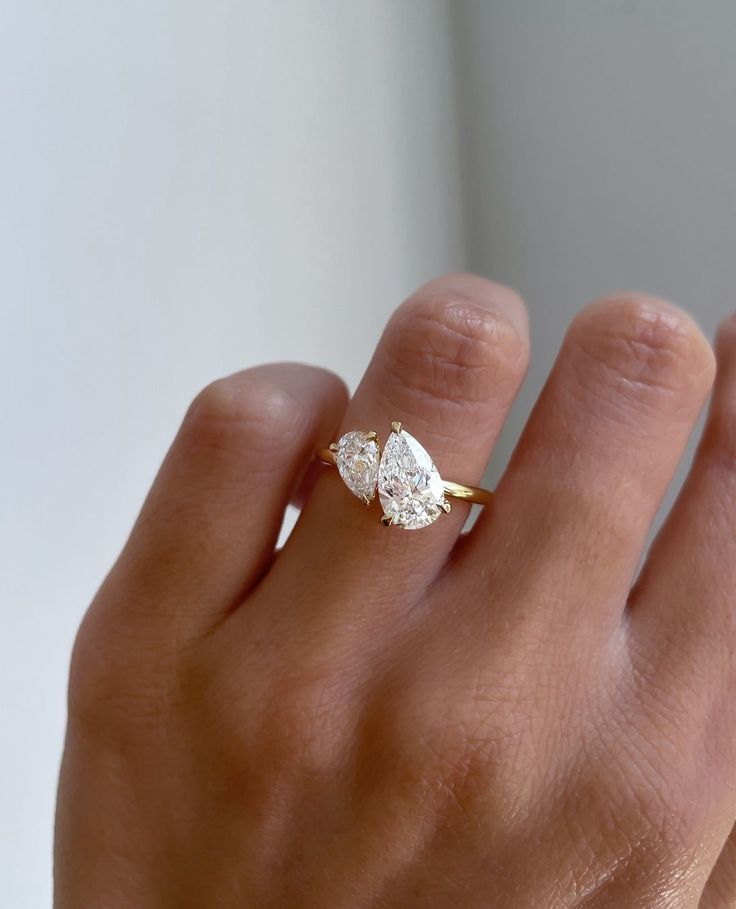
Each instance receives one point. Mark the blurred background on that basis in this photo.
(188, 188)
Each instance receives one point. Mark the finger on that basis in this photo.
(683, 606)
(720, 891)
(447, 367)
(312, 474)
(210, 523)
(595, 459)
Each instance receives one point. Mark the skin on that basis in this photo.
(515, 717)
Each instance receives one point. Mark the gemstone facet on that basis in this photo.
(409, 485)
(357, 458)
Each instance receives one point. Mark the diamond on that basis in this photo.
(409, 485)
(357, 459)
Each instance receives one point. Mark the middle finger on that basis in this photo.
(594, 462)
(447, 367)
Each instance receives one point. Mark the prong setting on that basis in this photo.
(401, 474)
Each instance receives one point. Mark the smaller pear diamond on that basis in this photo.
(357, 459)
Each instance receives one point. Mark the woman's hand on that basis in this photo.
(382, 718)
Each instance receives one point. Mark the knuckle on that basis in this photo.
(643, 826)
(448, 349)
(440, 754)
(659, 791)
(643, 346)
(662, 829)
(86, 672)
(248, 409)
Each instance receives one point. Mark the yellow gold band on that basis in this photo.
(457, 490)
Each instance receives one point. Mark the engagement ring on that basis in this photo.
(410, 489)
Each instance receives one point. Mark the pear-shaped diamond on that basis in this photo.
(409, 485)
(357, 459)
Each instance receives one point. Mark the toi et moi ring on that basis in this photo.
(410, 489)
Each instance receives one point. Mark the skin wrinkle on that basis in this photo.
(457, 357)
(418, 401)
(658, 831)
(457, 334)
(664, 340)
(622, 851)
(646, 357)
(437, 397)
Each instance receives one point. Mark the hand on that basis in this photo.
(376, 717)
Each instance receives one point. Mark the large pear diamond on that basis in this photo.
(357, 458)
(409, 485)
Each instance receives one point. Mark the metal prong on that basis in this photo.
(386, 520)
(372, 436)
(366, 500)
(334, 446)
(446, 507)
(396, 427)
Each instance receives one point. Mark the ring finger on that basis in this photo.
(447, 367)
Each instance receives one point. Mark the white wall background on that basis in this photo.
(599, 154)
(187, 188)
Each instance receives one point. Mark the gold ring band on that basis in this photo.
(475, 494)
(411, 492)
